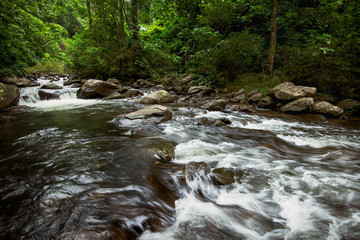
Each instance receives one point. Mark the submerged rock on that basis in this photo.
(226, 176)
(9, 95)
(288, 91)
(93, 88)
(300, 105)
(196, 169)
(215, 105)
(154, 114)
(161, 96)
(327, 109)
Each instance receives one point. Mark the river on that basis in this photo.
(70, 170)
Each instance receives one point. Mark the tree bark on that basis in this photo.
(273, 30)
(88, 5)
(135, 23)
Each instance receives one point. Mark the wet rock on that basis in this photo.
(266, 102)
(161, 96)
(327, 109)
(34, 84)
(44, 95)
(7, 118)
(288, 91)
(51, 86)
(205, 121)
(9, 95)
(215, 105)
(238, 98)
(183, 99)
(196, 169)
(242, 108)
(131, 93)
(164, 151)
(350, 106)
(114, 95)
(300, 105)
(226, 176)
(73, 81)
(113, 81)
(154, 114)
(93, 88)
(16, 81)
(255, 98)
(200, 90)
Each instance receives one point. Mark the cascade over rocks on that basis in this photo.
(154, 114)
(304, 104)
(288, 91)
(161, 96)
(196, 169)
(9, 95)
(327, 109)
(44, 95)
(93, 88)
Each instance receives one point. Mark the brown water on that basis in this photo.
(69, 170)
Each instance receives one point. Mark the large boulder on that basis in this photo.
(226, 176)
(288, 91)
(350, 106)
(238, 98)
(9, 95)
(300, 105)
(327, 109)
(215, 105)
(200, 90)
(97, 89)
(161, 96)
(19, 82)
(154, 114)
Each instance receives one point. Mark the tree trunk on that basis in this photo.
(89, 13)
(135, 23)
(273, 30)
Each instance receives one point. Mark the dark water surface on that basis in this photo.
(69, 170)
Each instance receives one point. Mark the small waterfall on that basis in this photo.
(50, 98)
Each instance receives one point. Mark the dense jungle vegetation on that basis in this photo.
(225, 43)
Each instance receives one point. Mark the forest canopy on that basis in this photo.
(220, 41)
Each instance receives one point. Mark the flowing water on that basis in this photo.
(70, 170)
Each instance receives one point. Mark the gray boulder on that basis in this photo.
(9, 95)
(154, 114)
(327, 109)
(226, 176)
(238, 93)
(200, 90)
(350, 106)
(255, 98)
(113, 81)
(44, 95)
(253, 92)
(131, 93)
(266, 102)
(16, 81)
(93, 88)
(205, 121)
(300, 105)
(215, 105)
(161, 96)
(288, 91)
(238, 98)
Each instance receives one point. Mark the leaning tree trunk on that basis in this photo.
(88, 5)
(273, 30)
